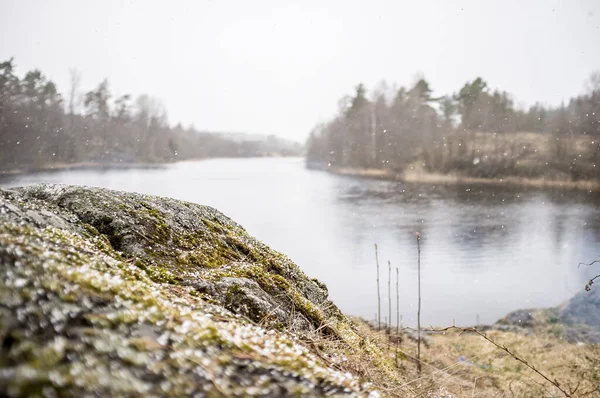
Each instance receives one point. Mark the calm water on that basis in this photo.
(485, 251)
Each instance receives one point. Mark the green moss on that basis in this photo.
(100, 241)
(186, 240)
(162, 275)
(157, 273)
(155, 213)
(319, 283)
(213, 227)
(237, 245)
(236, 299)
(91, 230)
(162, 232)
(275, 284)
(206, 257)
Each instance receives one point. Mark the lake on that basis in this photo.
(486, 250)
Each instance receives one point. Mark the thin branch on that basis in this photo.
(397, 303)
(554, 382)
(588, 264)
(588, 287)
(419, 306)
(389, 326)
(378, 294)
(475, 384)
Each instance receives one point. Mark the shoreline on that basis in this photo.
(421, 177)
(412, 176)
(103, 166)
(79, 166)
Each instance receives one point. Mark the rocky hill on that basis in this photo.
(106, 293)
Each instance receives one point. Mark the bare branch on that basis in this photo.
(593, 262)
(588, 287)
(554, 382)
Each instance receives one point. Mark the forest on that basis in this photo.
(477, 132)
(41, 128)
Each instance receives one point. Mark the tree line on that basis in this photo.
(475, 131)
(41, 127)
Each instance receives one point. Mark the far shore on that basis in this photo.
(61, 166)
(423, 177)
(79, 166)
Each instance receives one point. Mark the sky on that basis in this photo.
(280, 67)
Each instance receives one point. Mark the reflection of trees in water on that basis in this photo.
(363, 191)
(593, 229)
(559, 224)
(470, 227)
(499, 196)
(479, 236)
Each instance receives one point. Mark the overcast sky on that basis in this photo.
(279, 67)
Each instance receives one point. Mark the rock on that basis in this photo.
(581, 316)
(519, 318)
(583, 308)
(577, 320)
(414, 336)
(106, 293)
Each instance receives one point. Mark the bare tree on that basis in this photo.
(593, 82)
(74, 82)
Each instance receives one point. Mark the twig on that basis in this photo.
(397, 304)
(378, 294)
(396, 353)
(474, 384)
(588, 264)
(554, 382)
(389, 297)
(583, 394)
(419, 307)
(588, 287)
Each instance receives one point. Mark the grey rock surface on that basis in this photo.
(106, 293)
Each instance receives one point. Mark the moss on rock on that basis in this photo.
(112, 293)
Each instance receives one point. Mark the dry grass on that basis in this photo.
(368, 173)
(418, 175)
(421, 176)
(459, 364)
(367, 358)
(497, 373)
